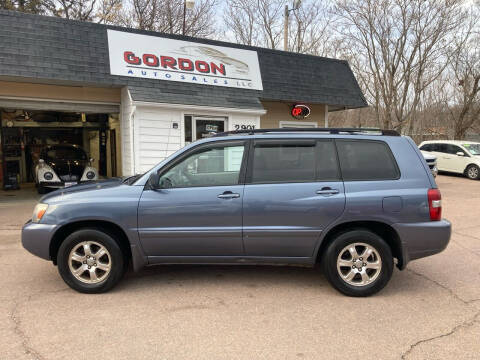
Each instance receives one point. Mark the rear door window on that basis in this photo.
(280, 161)
(366, 160)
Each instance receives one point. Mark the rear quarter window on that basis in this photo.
(366, 160)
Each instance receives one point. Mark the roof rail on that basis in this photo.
(333, 131)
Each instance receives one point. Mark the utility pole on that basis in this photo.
(285, 29)
(295, 6)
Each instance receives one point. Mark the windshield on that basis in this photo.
(131, 179)
(474, 149)
(56, 153)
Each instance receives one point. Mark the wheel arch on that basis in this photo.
(385, 231)
(470, 164)
(117, 233)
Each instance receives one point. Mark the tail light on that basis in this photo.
(435, 204)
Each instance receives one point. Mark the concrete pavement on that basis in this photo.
(429, 311)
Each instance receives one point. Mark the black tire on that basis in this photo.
(473, 172)
(342, 240)
(41, 189)
(118, 260)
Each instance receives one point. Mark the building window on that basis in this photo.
(298, 124)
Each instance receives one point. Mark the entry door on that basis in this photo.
(293, 192)
(198, 210)
(204, 127)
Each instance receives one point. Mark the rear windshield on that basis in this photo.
(366, 160)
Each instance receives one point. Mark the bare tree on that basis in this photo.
(464, 101)
(72, 9)
(167, 16)
(400, 47)
(241, 20)
(260, 23)
(312, 31)
(255, 22)
(27, 6)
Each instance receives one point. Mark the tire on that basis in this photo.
(473, 172)
(94, 273)
(338, 253)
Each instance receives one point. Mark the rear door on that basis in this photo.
(445, 157)
(293, 191)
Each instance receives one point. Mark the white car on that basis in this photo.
(457, 156)
(431, 162)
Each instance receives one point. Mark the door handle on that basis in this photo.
(228, 195)
(326, 191)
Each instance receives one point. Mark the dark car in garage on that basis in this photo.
(62, 166)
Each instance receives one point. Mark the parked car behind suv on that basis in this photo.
(457, 156)
(62, 166)
(350, 200)
(431, 162)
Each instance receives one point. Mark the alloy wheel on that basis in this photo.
(359, 264)
(90, 262)
(472, 172)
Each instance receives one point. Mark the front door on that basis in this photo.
(459, 162)
(198, 210)
(293, 191)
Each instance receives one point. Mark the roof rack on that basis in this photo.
(333, 131)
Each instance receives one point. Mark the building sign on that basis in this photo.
(154, 57)
(300, 111)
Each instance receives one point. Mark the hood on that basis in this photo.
(85, 187)
(428, 156)
(69, 168)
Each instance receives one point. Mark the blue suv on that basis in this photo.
(353, 201)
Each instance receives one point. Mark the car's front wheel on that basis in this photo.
(473, 172)
(358, 263)
(91, 261)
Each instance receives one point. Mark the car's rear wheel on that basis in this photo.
(91, 261)
(473, 172)
(358, 263)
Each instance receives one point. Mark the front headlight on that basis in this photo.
(48, 175)
(38, 212)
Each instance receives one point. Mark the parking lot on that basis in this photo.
(429, 311)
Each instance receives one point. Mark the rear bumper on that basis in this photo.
(423, 239)
(36, 238)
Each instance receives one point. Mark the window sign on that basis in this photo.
(300, 111)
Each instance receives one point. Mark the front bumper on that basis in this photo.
(36, 238)
(423, 239)
(60, 184)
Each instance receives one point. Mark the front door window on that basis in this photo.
(213, 166)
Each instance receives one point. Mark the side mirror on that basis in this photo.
(153, 181)
(460, 153)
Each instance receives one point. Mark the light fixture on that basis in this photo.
(189, 4)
